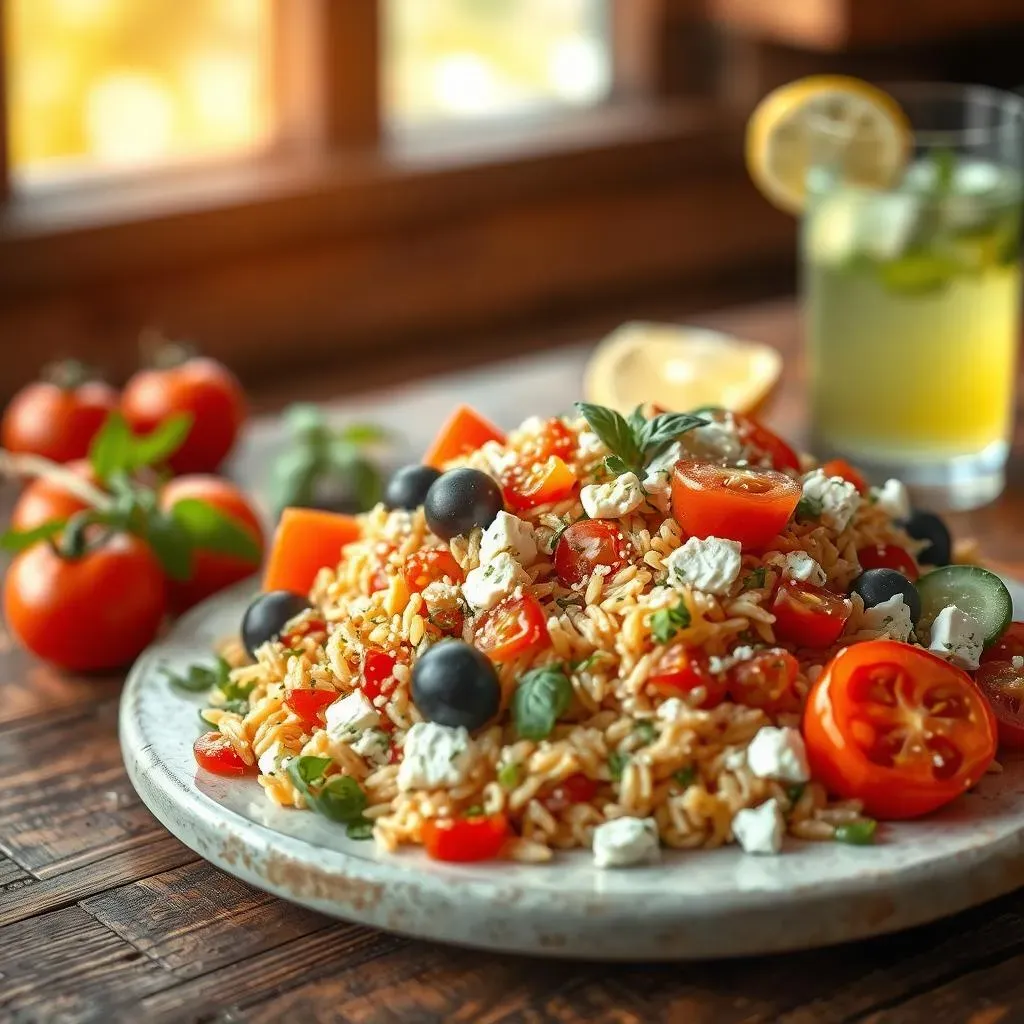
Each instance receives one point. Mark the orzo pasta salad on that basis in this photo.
(619, 633)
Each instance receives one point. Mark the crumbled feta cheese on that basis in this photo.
(532, 425)
(1017, 662)
(893, 499)
(270, 760)
(439, 594)
(838, 498)
(957, 637)
(711, 564)
(398, 524)
(374, 745)
(760, 829)
(496, 458)
(889, 618)
(589, 444)
(778, 754)
(798, 565)
(614, 499)
(622, 842)
(350, 715)
(658, 478)
(508, 533)
(714, 441)
(735, 759)
(434, 757)
(716, 665)
(674, 710)
(487, 584)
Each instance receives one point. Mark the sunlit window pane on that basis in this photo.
(451, 59)
(100, 84)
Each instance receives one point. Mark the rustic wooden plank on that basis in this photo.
(66, 966)
(12, 876)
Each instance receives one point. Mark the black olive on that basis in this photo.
(878, 585)
(928, 526)
(461, 499)
(454, 684)
(268, 615)
(408, 487)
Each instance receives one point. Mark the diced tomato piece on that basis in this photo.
(213, 752)
(555, 438)
(840, 467)
(463, 432)
(809, 616)
(515, 626)
(305, 541)
(309, 705)
(428, 566)
(378, 674)
(754, 435)
(1003, 686)
(888, 556)
(585, 545)
(1009, 646)
(767, 680)
(527, 485)
(681, 672)
(575, 789)
(465, 839)
(381, 556)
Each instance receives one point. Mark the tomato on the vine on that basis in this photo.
(590, 543)
(515, 626)
(809, 616)
(44, 500)
(888, 556)
(682, 672)
(767, 680)
(465, 839)
(214, 752)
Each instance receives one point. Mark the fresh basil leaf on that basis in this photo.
(209, 529)
(617, 762)
(614, 431)
(541, 697)
(360, 828)
(646, 730)
(615, 465)
(307, 771)
(754, 580)
(238, 707)
(232, 689)
(341, 798)
(685, 776)
(509, 775)
(197, 678)
(666, 622)
(171, 545)
(161, 443)
(637, 420)
(111, 449)
(658, 433)
(21, 540)
(476, 811)
(809, 508)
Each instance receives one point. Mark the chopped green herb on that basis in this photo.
(476, 811)
(796, 791)
(359, 828)
(617, 762)
(809, 508)
(685, 776)
(236, 691)
(588, 662)
(857, 833)
(198, 678)
(296, 651)
(754, 580)
(339, 798)
(615, 465)
(666, 622)
(646, 730)
(509, 775)
(542, 695)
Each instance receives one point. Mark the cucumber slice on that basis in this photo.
(973, 590)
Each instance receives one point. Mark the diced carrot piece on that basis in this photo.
(464, 431)
(305, 541)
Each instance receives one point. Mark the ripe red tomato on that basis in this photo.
(212, 572)
(768, 681)
(747, 505)
(422, 568)
(1010, 645)
(309, 705)
(44, 500)
(379, 578)
(57, 422)
(516, 626)
(554, 439)
(465, 839)
(213, 752)
(203, 387)
(809, 616)
(378, 674)
(587, 544)
(681, 672)
(888, 556)
(753, 435)
(1003, 687)
(576, 789)
(840, 467)
(91, 613)
(896, 727)
(529, 484)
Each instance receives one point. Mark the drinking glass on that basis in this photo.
(911, 297)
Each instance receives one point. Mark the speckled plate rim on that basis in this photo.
(694, 905)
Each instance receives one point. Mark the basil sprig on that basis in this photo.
(542, 696)
(200, 678)
(339, 798)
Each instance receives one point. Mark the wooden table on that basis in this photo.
(105, 916)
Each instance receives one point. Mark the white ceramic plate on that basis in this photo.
(693, 905)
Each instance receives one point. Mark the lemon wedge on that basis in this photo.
(679, 368)
(842, 125)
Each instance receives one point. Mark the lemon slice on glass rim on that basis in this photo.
(679, 368)
(842, 124)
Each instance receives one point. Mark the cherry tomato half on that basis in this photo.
(529, 484)
(554, 439)
(587, 544)
(1010, 645)
(465, 839)
(840, 467)
(422, 568)
(898, 728)
(378, 674)
(516, 626)
(747, 505)
(681, 672)
(1003, 686)
(44, 500)
(756, 436)
(809, 616)
(888, 556)
(768, 681)
(213, 752)
(309, 705)
(575, 789)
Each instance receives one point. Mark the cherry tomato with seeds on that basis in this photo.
(43, 501)
(681, 672)
(809, 616)
(1003, 687)
(529, 484)
(378, 674)
(841, 468)
(554, 439)
(898, 728)
(515, 626)
(1009, 646)
(213, 752)
(767, 680)
(465, 839)
(585, 545)
(310, 705)
(888, 556)
(422, 568)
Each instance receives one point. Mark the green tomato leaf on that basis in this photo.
(20, 540)
(209, 529)
(159, 445)
(111, 449)
(541, 697)
(171, 545)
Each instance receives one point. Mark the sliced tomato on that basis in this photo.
(213, 752)
(465, 839)
(751, 506)
(516, 626)
(682, 672)
(554, 439)
(529, 484)
(898, 728)
(756, 436)
(422, 568)
(888, 556)
(768, 681)
(378, 674)
(587, 544)
(809, 616)
(309, 705)
(1003, 686)
(841, 468)
(463, 432)
(576, 789)
(1009, 646)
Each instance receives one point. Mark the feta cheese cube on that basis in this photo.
(837, 498)
(622, 842)
(893, 499)
(348, 717)
(508, 533)
(434, 757)
(798, 565)
(760, 829)
(271, 760)
(487, 584)
(658, 478)
(957, 637)
(614, 499)
(779, 754)
(711, 564)
(715, 441)
(890, 618)
(375, 746)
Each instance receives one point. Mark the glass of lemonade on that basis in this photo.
(912, 297)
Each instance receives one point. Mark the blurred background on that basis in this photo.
(303, 184)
